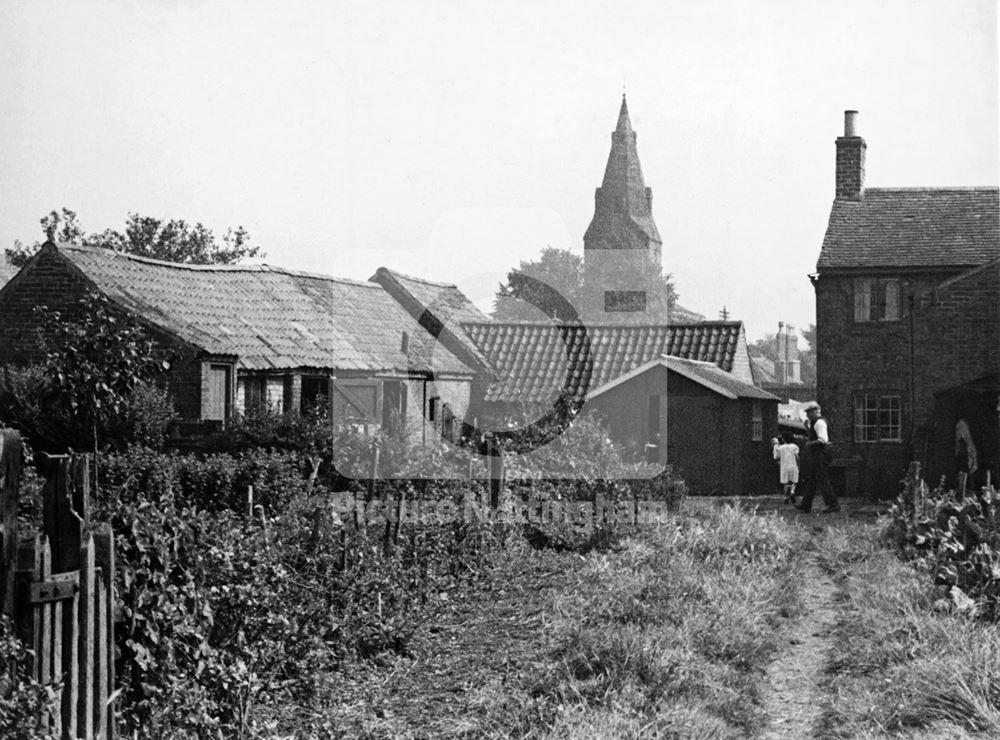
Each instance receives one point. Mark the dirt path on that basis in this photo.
(794, 702)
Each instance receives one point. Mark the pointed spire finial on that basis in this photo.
(624, 124)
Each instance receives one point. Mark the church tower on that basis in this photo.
(623, 217)
(622, 250)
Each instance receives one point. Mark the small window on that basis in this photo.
(355, 404)
(433, 406)
(757, 422)
(254, 393)
(274, 391)
(876, 299)
(624, 301)
(315, 393)
(877, 418)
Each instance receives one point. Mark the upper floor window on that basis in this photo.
(876, 299)
(877, 418)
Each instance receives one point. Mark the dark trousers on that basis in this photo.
(818, 480)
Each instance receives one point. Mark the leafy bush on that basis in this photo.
(210, 482)
(147, 413)
(30, 402)
(223, 612)
(959, 540)
(22, 699)
(25, 405)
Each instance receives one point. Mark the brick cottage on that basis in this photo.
(907, 315)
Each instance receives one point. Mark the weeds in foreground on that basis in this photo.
(904, 660)
(667, 634)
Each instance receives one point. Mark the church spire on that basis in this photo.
(624, 124)
(623, 217)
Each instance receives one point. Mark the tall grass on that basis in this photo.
(903, 659)
(671, 636)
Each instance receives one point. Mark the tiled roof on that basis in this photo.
(706, 374)
(268, 317)
(763, 369)
(681, 315)
(913, 227)
(440, 307)
(535, 361)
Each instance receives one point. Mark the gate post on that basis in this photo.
(10, 479)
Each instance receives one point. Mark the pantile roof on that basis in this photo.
(535, 361)
(270, 318)
(706, 374)
(913, 227)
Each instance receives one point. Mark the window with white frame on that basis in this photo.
(877, 418)
(876, 299)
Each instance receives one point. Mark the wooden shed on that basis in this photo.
(710, 427)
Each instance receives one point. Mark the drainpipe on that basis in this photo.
(423, 416)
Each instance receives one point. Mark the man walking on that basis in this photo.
(818, 447)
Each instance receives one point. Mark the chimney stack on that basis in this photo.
(851, 148)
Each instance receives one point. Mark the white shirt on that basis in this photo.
(820, 427)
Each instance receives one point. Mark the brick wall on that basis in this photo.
(956, 338)
(53, 282)
(49, 282)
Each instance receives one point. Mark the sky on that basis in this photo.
(452, 140)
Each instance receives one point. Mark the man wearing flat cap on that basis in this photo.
(820, 454)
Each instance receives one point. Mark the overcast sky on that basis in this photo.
(451, 140)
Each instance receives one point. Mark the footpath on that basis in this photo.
(795, 699)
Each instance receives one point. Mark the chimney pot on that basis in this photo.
(850, 123)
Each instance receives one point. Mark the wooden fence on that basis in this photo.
(57, 587)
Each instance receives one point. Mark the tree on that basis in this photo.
(172, 240)
(95, 359)
(536, 286)
(561, 285)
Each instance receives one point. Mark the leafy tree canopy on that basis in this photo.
(171, 240)
(559, 279)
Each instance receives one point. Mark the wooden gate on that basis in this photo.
(57, 587)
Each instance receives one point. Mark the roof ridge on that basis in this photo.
(262, 267)
(397, 274)
(965, 274)
(932, 189)
(592, 325)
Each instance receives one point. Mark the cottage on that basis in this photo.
(240, 335)
(907, 306)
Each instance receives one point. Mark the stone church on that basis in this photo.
(623, 251)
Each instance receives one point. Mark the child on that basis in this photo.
(787, 454)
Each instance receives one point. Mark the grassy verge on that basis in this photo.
(903, 661)
(667, 633)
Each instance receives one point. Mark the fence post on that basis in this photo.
(10, 479)
(913, 489)
(104, 558)
(496, 473)
(43, 622)
(88, 601)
